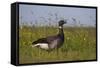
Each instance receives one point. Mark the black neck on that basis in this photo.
(61, 31)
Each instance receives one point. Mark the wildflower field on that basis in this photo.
(79, 44)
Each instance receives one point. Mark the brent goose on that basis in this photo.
(51, 42)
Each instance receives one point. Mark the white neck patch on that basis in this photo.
(60, 27)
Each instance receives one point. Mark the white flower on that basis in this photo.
(68, 38)
(84, 38)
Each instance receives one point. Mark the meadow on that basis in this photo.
(79, 44)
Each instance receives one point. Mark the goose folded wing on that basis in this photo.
(42, 40)
(51, 38)
(48, 39)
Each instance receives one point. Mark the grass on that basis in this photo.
(79, 44)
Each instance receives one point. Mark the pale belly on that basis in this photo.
(43, 45)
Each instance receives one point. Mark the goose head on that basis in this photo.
(61, 22)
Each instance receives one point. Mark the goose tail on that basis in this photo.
(34, 45)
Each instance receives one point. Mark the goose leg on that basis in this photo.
(57, 52)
